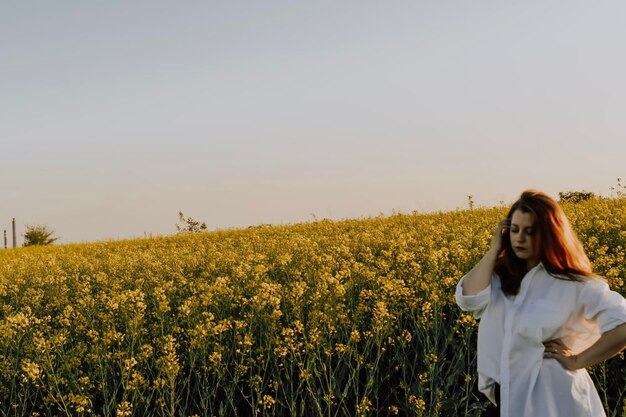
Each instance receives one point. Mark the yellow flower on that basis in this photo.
(364, 406)
(418, 403)
(215, 358)
(267, 402)
(31, 370)
(168, 363)
(19, 321)
(355, 336)
(124, 409)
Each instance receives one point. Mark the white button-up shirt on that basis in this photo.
(511, 333)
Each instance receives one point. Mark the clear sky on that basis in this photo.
(116, 115)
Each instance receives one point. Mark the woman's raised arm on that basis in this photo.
(479, 277)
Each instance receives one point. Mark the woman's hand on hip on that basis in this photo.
(556, 349)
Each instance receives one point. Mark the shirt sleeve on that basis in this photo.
(474, 303)
(606, 307)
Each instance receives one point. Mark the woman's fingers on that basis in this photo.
(556, 349)
(551, 349)
(497, 235)
(556, 343)
(552, 346)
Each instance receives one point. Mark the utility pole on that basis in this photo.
(5, 238)
(14, 236)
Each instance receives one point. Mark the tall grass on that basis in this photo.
(327, 318)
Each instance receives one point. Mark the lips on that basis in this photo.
(520, 249)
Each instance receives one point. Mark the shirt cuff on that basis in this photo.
(473, 303)
(615, 313)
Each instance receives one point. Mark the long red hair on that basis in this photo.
(560, 251)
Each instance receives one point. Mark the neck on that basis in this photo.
(531, 264)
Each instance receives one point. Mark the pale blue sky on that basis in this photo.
(116, 115)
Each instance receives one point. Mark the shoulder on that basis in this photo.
(593, 283)
(595, 291)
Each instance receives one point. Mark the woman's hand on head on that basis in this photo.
(496, 242)
(556, 349)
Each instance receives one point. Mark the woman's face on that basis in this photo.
(524, 238)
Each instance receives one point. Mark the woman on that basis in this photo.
(544, 315)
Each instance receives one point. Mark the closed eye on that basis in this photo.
(529, 231)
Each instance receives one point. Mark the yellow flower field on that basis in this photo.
(346, 318)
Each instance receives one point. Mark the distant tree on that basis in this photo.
(189, 225)
(576, 196)
(39, 235)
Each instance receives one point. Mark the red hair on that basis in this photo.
(560, 251)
